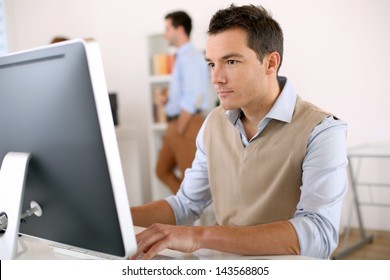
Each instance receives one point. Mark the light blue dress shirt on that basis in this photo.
(190, 81)
(324, 179)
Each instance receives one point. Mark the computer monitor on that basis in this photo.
(54, 105)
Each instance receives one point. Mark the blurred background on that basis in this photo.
(336, 55)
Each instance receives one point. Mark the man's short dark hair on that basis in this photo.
(264, 33)
(181, 18)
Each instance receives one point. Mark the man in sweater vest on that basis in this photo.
(272, 165)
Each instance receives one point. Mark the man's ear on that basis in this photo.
(273, 62)
(181, 29)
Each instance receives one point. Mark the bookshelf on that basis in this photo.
(160, 66)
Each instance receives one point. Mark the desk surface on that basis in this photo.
(31, 248)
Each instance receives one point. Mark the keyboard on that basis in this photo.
(157, 257)
(92, 255)
(80, 253)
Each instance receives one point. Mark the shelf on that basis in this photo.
(159, 127)
(369, 151)
(156, 45)
(379, 150)
(160, 78)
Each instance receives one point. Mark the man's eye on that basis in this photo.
(231, 62)
(210, 65)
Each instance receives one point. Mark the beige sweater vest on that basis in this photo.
(260, 183)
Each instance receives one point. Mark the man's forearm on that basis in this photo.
(154, 212)
(277, 238)
(183, 121)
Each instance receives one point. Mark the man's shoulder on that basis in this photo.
(192, 53)
(215, 115)
(217, 112)
(311, 108)
(323, 120)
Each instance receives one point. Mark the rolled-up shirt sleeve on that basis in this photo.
(194, 81)
(324, 185)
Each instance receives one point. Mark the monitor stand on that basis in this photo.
(12, 181)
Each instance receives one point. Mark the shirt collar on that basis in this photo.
(283, 108)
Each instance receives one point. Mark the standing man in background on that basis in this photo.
(187, 98)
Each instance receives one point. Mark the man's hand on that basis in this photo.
(278, 238)
(183, 121)
(159, 237)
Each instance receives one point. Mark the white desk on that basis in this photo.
(41, 250)
(356, 155)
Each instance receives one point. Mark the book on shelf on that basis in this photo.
(163, 64)
(160, 95)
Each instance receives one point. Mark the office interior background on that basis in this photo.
(336, 55)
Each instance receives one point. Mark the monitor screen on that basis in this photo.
(54, 104)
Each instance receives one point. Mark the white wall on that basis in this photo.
(336, 52)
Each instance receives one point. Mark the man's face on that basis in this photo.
(171, 33)
(236, 72)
